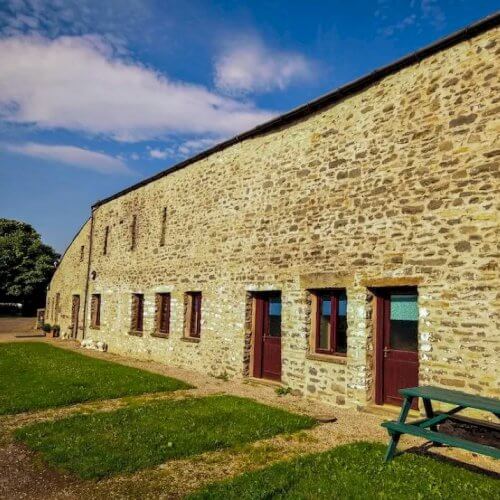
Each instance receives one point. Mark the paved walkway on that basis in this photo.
(14, 329)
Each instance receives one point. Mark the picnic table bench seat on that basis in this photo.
(427, 427)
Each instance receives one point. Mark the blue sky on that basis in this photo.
(96, 95)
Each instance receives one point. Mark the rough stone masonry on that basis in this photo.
(395, 184)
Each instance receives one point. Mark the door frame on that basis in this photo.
(74, 324)
(381, 295)
(259, 300)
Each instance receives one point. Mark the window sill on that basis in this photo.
(135, 334)
(328, 358)
(192, 340)
(160, 335)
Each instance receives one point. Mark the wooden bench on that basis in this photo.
(427, 427)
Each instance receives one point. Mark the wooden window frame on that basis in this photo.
(95, 311)
(334, 295)
(162, 320)
(193, 315)
(137, 314)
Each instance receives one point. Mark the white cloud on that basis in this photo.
(249, 66)
(399, 26)
(159, 154)
(81, 84)
(196, 145)
(71, 155)
(184, 149)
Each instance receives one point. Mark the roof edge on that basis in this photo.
(327, 99)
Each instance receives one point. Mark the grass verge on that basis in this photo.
(36, 375)
(356, 471)
(129, 439)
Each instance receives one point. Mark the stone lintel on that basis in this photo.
(312, 281)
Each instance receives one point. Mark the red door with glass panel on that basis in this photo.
(267, 336)
(397, 353)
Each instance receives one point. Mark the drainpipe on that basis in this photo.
(89, 261)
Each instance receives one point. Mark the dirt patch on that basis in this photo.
(23, 475)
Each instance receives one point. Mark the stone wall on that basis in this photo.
(68, 280)
(395, 185)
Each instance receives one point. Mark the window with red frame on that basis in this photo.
(331, 322)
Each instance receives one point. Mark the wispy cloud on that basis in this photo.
(248, 65)
(184, 149)
(421, 13)
(72, 156)
(82, 84)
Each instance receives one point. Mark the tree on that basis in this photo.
(26, 265)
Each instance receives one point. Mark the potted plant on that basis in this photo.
(56, 329)
(46, 327)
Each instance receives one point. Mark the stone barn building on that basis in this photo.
(344, 249)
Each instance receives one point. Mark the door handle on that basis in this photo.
(386, 350)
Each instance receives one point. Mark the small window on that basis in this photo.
(163, 226)
(330, 334)
(105, 245)
(162, 314)
(137, 316)
(133, 232)
(193, 314)
(82, 252)
(95, 311)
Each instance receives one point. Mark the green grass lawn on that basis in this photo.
(356, 471)
(35, 375)
(128, 439)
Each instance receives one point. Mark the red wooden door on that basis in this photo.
(267, 335)
(398, 343)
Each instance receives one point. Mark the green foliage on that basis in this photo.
(26, 264)
(47, 327)
(283, 391)
(356, 471)
(129, 439)
(35, 375)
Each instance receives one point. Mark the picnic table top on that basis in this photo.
(453, 397)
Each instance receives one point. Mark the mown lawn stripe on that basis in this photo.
(355, 471)
(36, 375)
(129, 439)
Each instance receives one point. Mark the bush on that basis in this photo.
(46, 327)
(56, 330)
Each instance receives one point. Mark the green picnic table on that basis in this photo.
(427, 427)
